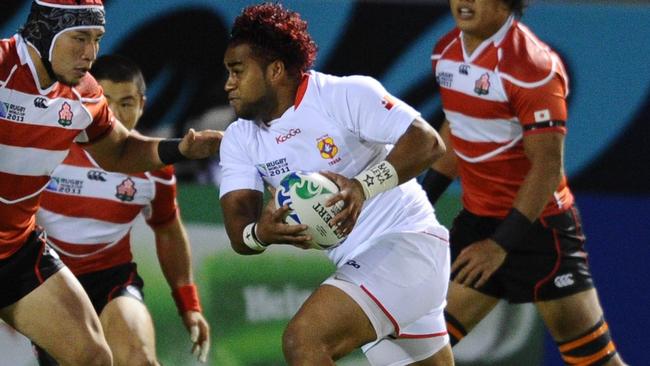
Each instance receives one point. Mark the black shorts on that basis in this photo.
(550, 263)
(105, 285)
(27, 268)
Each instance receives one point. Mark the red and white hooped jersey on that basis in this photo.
(37, 127)
(88, 213)
(510, 81)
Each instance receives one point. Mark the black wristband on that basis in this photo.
(512, 230)
(435, 183)
(168, 151)
(255, 236)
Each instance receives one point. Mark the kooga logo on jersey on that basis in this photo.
(282, 138)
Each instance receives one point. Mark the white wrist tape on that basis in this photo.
(250, 238)
(378, 178)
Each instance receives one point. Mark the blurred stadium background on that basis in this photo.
(179, 45)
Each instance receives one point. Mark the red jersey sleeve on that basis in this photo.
(540, 105)
(163, 207)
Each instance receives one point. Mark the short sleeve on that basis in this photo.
(362, 105)
(540, 105)
(102, 124)
(237, 170)
(163, 207)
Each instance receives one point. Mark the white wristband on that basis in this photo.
(250, 239)
(378, 178)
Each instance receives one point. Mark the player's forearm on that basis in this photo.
(126, 152)
(539, 185)
(447, 164)
(174, 255)
(416, 150)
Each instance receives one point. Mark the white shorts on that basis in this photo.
(400, 282)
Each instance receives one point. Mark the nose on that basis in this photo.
(230, 84)
(90, 51)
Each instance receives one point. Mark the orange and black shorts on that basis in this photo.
(549, 263)
(27, 268)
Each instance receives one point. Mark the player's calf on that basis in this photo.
(594, 347)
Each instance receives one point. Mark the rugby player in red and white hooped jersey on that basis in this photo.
(519, 235)
(88, 214)
(48, 102)
(388, 292)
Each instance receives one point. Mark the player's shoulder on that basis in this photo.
(331, 84)
(526, 60)
(445, 42)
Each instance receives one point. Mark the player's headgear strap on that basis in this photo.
(48, 18)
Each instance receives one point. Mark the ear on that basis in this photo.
(276, 70)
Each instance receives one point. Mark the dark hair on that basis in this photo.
(118, 69)
(516, 6)
(275, 33)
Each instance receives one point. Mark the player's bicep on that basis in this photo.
(545, 148)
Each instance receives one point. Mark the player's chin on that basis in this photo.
(70, 81)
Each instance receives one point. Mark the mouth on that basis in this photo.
(81, 71)
(464, 13)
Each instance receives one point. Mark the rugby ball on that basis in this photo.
(306, 194)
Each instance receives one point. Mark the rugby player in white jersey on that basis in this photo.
(47, 101)
(388, 293)
(89, 225)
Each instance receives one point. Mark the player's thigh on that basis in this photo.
(467, 305)
(129, 329)
(329, 318)
(570, 316)
(57, 310)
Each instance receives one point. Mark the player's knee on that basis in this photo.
(299, 339)
(100, 356)
(135, 356)
(594, 347)
(455, 329)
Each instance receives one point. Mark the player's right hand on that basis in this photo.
(272, 229)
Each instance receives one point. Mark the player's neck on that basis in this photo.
(286, 97)
(473, 39)
(43, 76)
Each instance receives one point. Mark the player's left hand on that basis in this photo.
(202, 144)
(351, 193)
(199, 334)
(478, 262)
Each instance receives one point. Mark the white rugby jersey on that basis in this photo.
(37, 127)
(338, 124)
(510, 86)
(88, 212)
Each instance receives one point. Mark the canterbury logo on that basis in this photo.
(96, 175)
(564, 280)
(282, 138)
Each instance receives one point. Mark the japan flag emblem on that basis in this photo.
(543, 115)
